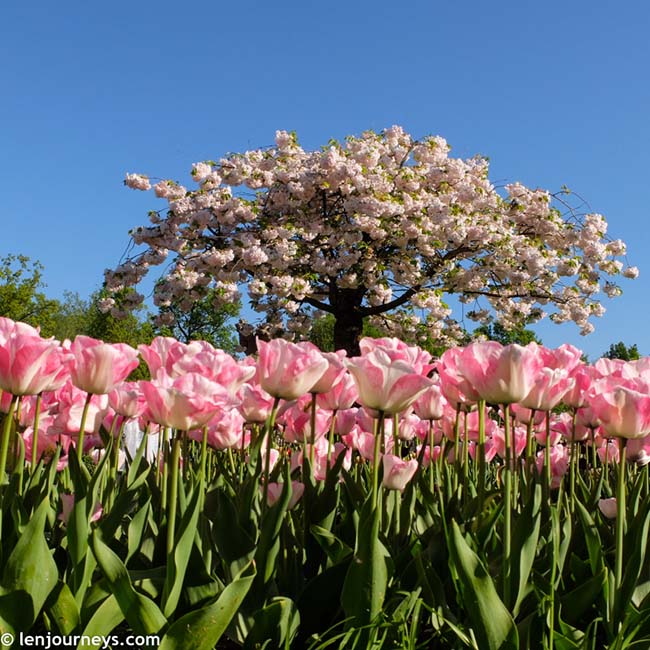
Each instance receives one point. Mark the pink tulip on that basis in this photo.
(334, 373)
(559, 456)
(458, 391)
(255, 404)
(397, 350)
(127, 399)
(397, 472)
(275, 490)
(608, 507)
(499, 374)
(67, 504)
(289, 370)
(431, 404)
(341, 396)
(298, 424)
(214, 364)
(225, 431)
(164, 352)
(186, 402)
(623, 411)
(386, 385)
(549, 388)
(29, 364)
(98, 367)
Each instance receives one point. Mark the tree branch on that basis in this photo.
(393, 304)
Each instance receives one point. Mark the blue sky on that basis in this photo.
(554, 93)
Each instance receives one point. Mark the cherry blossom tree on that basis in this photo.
(379, 227)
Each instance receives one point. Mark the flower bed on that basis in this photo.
(495, 498)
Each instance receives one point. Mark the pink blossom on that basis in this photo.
(608, 507)
(287, 370)
(29, 364)
(397, 472)
(97, 367)
(386, 385)
(274, 492)
(623, 411)
(499, 374)
(186, 402)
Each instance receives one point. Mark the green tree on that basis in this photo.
(497, 332)
(21, 295)
(200, 320)
(621, 351)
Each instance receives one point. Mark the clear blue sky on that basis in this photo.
(553, 92)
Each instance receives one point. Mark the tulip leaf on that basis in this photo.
(141, 612)
(277, 624)
(201, 629)
(177, 563)
(63, 610)
(492, 623)
(524, 545)
(367, 577)
(29, 575)
(104, 620)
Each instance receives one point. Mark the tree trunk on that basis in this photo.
(348, 325)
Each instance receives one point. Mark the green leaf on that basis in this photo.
(202, 629)
(277, 624)
(104, 620)
(177, 564)
(336, 549)
(492, 623)
(524, 545)
(29, 575)
(63, 610)
(367, 577)
(575, 603)
(141, 612)
(591, 536)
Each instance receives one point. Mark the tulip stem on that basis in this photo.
(330, 442)
(37, 417)
(620, 516)
(507, 487)
(82, 428)
(573, 463)
(204, 450)
(481, 454)
(375, 459)
(6, 434)
(268, 429)
(173, 492)
(312, 432)
(547, 457)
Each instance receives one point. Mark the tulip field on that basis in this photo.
(496, 497)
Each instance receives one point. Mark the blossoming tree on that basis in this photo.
(380, 226)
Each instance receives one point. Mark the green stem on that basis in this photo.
(375, 459)
(204, 450)
(431, 461)
(173, 492)
(37, 419)
(82, 429)
(330, 441)
(481, 454)
(507, 493)
(573, 464)
(268, 430)
(312, 432)
(6, 435)
(620, 515)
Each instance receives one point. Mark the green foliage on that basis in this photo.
(621, 351)
(497, 332)
(201, 320)
(21, 296)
